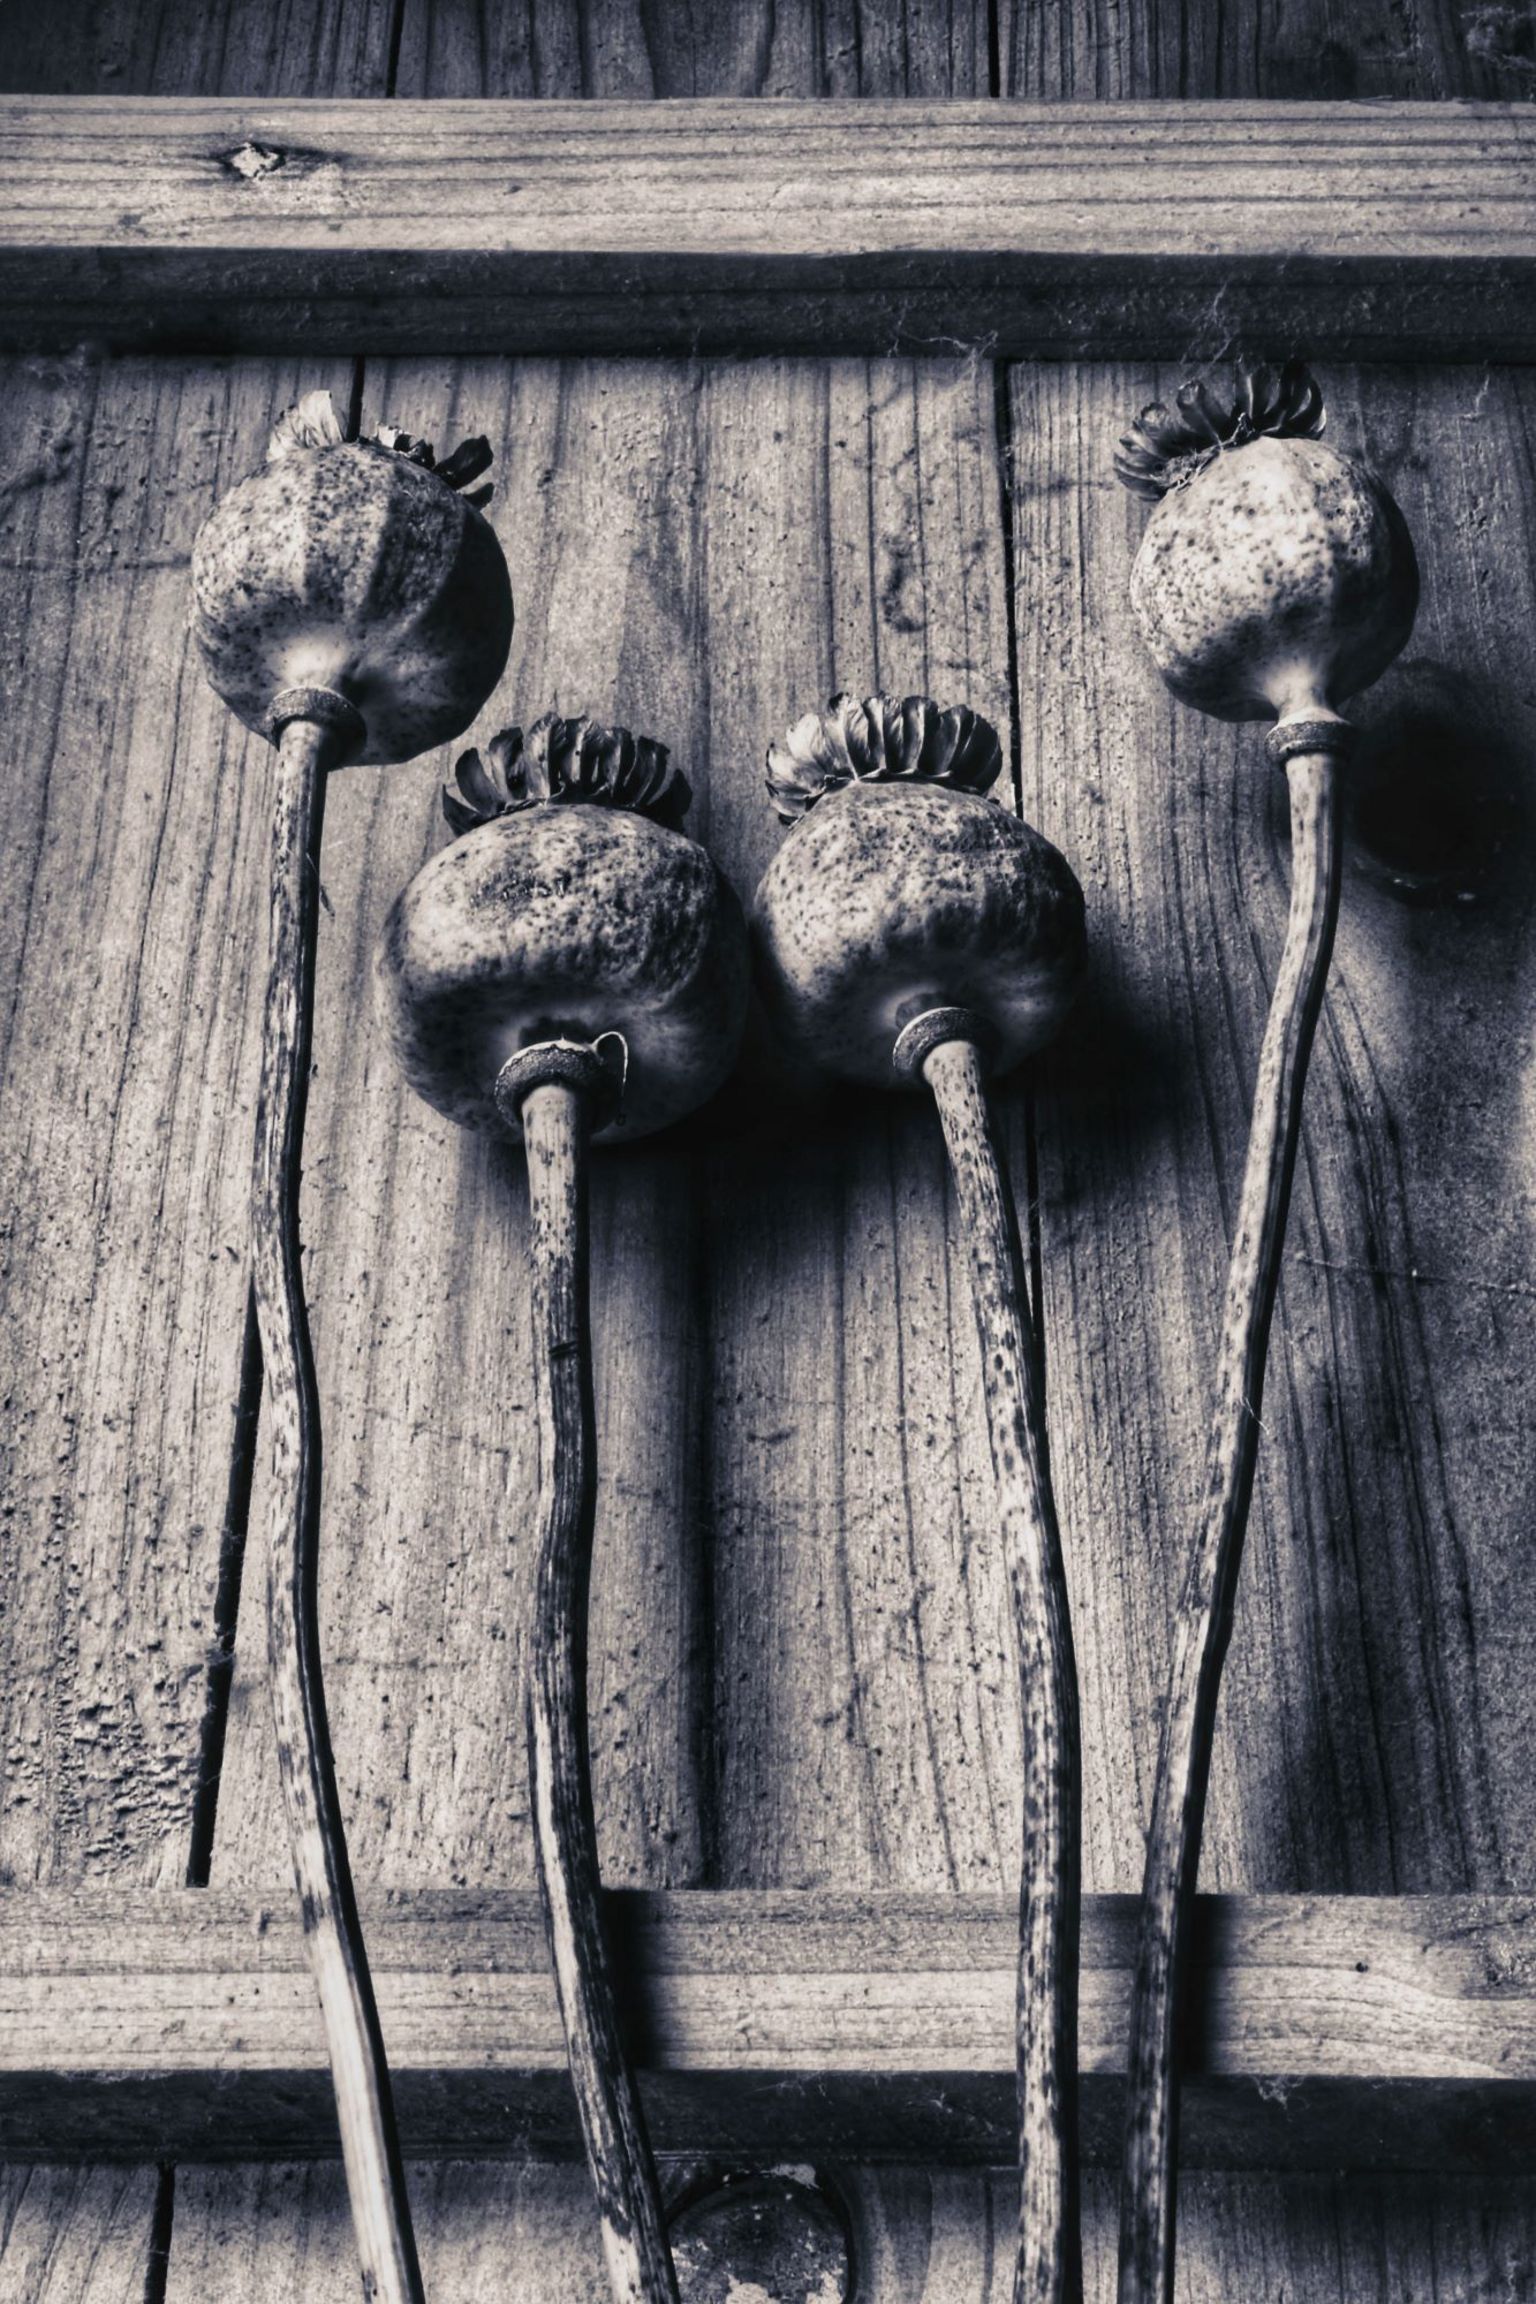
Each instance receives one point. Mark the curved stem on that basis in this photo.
(370, 2148)
(556, 1126)
(1204, 1625)
(1048, 2269)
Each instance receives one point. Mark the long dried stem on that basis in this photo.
(556, 1122)
(1048, 2268)
(1204, 1626)
(370, 2147)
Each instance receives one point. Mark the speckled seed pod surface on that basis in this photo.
(566, 918)
(889, 898)
(1277, 575)
(353, 567)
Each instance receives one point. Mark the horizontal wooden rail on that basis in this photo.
(1374, 230)
(1329, 2032)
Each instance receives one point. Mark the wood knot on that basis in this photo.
(254, 160)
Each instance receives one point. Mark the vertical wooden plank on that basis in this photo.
(1375, 1720)
(626, 49)
(417, 1265)
(277, 2236)
(131, 908)
(1371, 1735)
(800, 1652)
(130, 903)
(127, 1052)
(867, 1717)
(77, 2235)
(1285, 49)
(1360, 1746)
(181, 48)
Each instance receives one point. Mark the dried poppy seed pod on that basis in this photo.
(349, 604)
(571, 965)
(569, 909)
(355, 570)
(903, 888)
(1277, 576)
(911, 929)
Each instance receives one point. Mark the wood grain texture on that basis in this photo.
(1283, 50)
(1371, 1734)
(1332, 2031)
(818, 547)
(718, 225)
(1329, 1765)
(132, 879)
(628, 50)
(250, 48)
(132, 899)
(906, 1778)
(426, 1227)
(420, 1296)
(80, 2235)
(1385, 1744)
(131, 891)
(921, 2236)
(700, 549)
(1203, 1626)
(1369, 1621)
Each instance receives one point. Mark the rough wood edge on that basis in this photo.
(1027, 228)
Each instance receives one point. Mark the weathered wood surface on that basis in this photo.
(131, 900)
(701, 549)
(858, 1728)
(1312, 754)
(1392, 1499)
(275, 2236)
(1331, 2032)
(735, 1765)
(1406, 50)
(131, 897)
(722, 225)
(1375, 1729)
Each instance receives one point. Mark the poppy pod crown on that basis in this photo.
(881, 741)
(562, 761)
